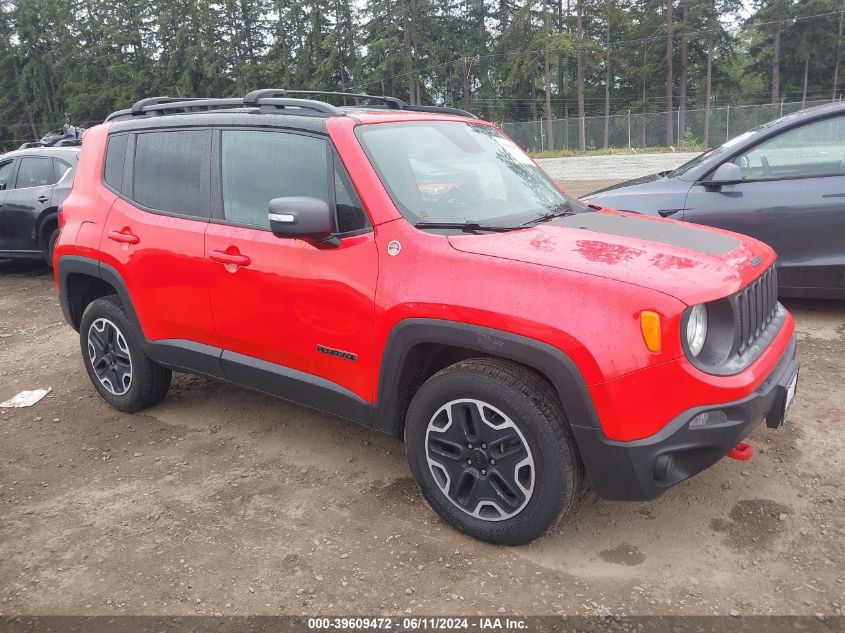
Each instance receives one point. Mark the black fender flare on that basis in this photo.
(49, 215)
(552, 363)
(76, 264)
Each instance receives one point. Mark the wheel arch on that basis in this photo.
(47, 220)
(81, 280)
(418, 348)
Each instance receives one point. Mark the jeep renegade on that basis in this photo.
(411, 269)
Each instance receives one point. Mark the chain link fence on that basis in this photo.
(639, 130)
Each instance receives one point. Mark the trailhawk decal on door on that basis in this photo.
(330, 351)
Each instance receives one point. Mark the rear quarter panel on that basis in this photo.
(85, 209)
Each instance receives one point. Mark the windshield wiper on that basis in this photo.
(558, 211)
(466, 227)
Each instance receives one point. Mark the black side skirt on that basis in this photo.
(253, 373)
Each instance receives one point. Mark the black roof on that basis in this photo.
(67, 152)
(237, 117)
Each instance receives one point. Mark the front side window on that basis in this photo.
(815, 149)
(171, 171)
(444, 171)
(35, 172)
(6, 174)
(259, 166)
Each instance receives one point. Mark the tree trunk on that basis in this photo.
(607, 75)
(642, 118)
(838, 51)
(670, 126)
(806, 75)
(566, 80)
(579, 37)
(465, 72)
(561, 69)
(409, 54)
(682, 97)
(708, 86)
(547, 76)
(776, 61)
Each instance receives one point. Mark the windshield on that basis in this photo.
(450, 171)
(695, 162)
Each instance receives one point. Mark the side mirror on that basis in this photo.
(302, 217)
(726, 174)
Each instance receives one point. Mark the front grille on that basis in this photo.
(757, 304)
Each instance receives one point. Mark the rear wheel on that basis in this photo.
(51, 246)
(488, 444)
(114, 358)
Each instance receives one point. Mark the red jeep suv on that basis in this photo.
(411, 269)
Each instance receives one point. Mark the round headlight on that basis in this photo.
(697, 329)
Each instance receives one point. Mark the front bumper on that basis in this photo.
(645, 469)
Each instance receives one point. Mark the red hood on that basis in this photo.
(691, 263)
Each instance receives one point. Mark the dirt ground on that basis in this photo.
(219, 500)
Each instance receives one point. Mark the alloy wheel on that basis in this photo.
(109, 356)
(479, 459)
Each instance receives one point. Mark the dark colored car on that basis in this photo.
(782, 183)
(33, 183)
(416, 272)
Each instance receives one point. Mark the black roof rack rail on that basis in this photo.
(440, 110)
(278, 98)
(156, 106)
(391, 102)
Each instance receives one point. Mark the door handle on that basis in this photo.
(236, 259)
(42, 199)
(123, 237)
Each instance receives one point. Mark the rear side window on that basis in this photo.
(35, 172)
(61, 168)
(259, 166)
(115, 160)
(171, 171)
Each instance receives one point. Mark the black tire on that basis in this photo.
(148, 382)
(51, 246)
(530, 405)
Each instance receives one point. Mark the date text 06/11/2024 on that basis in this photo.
(417, 623)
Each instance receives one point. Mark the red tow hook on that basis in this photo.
(742, 451)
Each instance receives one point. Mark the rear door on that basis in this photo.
(155, 230)
(27, 200)
(291, 303)
(792, 197)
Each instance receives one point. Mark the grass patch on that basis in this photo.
(616, 151)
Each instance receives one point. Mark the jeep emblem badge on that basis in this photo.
(394, 248)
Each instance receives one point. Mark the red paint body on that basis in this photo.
(579, 291)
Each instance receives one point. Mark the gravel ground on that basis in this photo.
(219, 500)
(612, 168)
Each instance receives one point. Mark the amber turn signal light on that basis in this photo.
(650, 326)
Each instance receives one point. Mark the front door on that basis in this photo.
(289, 306)
(792, 197)
(24, 204)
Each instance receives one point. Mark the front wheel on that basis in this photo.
(489, 447)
